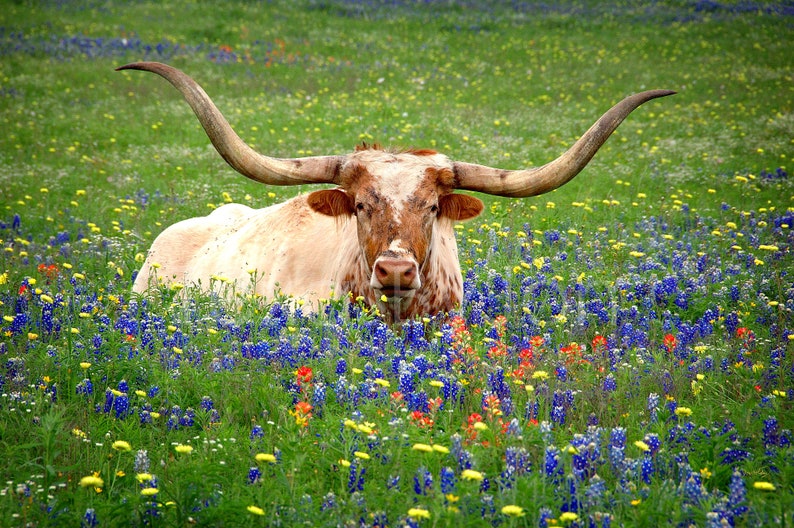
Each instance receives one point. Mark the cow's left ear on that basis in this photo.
(331, 202)
(459, 206)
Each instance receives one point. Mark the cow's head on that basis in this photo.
(395, 197)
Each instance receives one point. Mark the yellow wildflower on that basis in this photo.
(92, 481)
(256, 510)
(418, 513)
(121, 445)
(265, 457)
(470, 474)
(513, 510)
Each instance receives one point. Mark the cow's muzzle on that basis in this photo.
(396, 278)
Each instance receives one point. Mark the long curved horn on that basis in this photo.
(242, 158)
(539, 180)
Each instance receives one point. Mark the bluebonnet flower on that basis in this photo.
(654, 442)
(141, 463)
(462, 456)
(423, 481)
(595, 490)
(562, 373)
(552, 465)
(121, 406)
(546, 432)
(498, 386)
(206, 403)
(85, 387)
(731, 456)
(545, 516)
(318, 398)
(256, 432)
(254, 475)
(770, 432)
(617, 448)
(646, 468)
(610, 383)
(393, 482)
(89, 519)
(558, 415)
(488, 509)
(653, 406)
(693, 488)
(587, 454)
(329, 501)
(355, 479)
(571, 498)
(513, 428)
(737, 494)
(448, 480)
(188, 418)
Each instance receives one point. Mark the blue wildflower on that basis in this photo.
(89, 519)
(254, 475)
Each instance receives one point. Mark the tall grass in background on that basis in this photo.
(623, 356)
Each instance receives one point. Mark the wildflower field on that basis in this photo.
(623, 355)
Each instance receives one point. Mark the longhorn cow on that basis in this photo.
(385, 233)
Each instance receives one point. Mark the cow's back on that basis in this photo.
(284, 248)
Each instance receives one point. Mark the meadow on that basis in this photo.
(623, 354)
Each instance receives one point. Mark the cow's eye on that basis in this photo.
(434, 208)
(359, 207)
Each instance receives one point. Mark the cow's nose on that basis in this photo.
(396, 274)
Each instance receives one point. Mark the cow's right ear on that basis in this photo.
(331, 202)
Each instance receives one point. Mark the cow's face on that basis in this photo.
(396, 200)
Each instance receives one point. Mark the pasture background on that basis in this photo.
(95, 163)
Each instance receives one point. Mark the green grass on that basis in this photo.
(95, 163)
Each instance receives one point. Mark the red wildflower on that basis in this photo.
(599, 341)
(526, 355)
(304, 374)
(303, 407)
(670, 342)
(50, 271)
(421, 419)
(302, 413)
(435, 403)
(745, 333)
(497, 350)
(474, 418)
(536, 341)
(491, 405)
(572, 353)
(461, 337)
